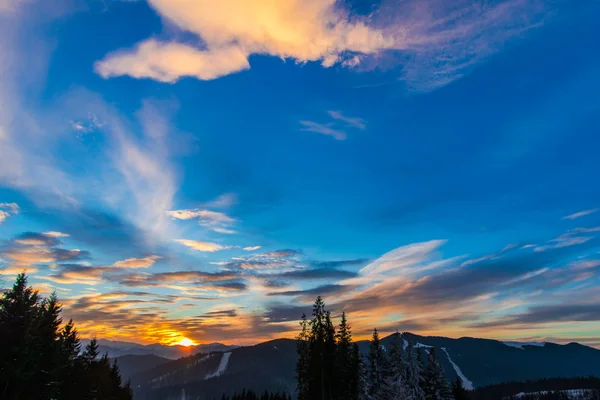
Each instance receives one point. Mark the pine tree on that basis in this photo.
(458, 390)
(321, 360)
(435, 385)
(394, 387)
(302, 347)
(377, 365)
(412, 376)
(19, 319)
(344, 362)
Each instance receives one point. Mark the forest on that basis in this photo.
(41, 358)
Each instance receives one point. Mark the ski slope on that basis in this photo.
(222, 366)
(466, 383)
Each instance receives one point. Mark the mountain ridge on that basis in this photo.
(270, 365)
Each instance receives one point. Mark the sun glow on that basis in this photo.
(185, 342)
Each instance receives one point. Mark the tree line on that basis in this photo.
(331, 367)
(40, 358)
(588, 388)
(250, 395)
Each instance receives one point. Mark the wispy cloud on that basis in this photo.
(323, 129)
(354, 122)
(581, 214)
(438, 42)
(30, 249)
(145, 262)
(207, 247)
(8, 209)
(331, 128)
(252, 248)
(213, 220)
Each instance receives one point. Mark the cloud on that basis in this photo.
(77, 274)
(317, 273)
(308, 295)
(167, 62)
(252, 248)
(435, 42)
(552, 313)
(8, 209)
(313, 30)
(339, 263)
(11, 6)
(180, 277)
(405, 259)
(207, 247)
(581, 213)
(214, 220)
(55, 234)
(145, 262)
(351, 121)
(31, 248)
(225, 200)
(91, 124)
(230, 313)
(323, 129)
(286, 253)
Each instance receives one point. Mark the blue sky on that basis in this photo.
(190, 170)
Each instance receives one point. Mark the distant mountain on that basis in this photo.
(117, 349)
(271, 366)
(131, 365)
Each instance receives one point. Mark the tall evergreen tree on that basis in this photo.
(377, 365)
(19, 318)
(344, 361)
(435, 385)
(302, 347)
(458, 390)
(412, 376)
(321, 360)
(394, 387)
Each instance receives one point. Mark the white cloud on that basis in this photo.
(440, 41)
(351, 121)
(324, 129)
(405, 259)
(214, 220)
(10, 6)
(167, 62)
(581, 214)
(223, 201)
(8, 209)
(206, 247)
(55, 234)
(252, 248)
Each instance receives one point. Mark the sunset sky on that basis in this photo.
(201, 170)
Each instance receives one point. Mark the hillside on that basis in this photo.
(271, 365)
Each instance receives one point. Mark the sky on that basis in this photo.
(192, 171)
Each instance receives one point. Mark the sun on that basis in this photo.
(185, 342)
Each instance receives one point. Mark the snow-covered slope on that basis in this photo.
(466, 383)
(222, 366)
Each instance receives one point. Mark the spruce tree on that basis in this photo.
(321, 358)
(412, 376)
(394, 387)
(458, 390)
(344, 362)
(435, 385)
(302, 347)
(377, 365)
